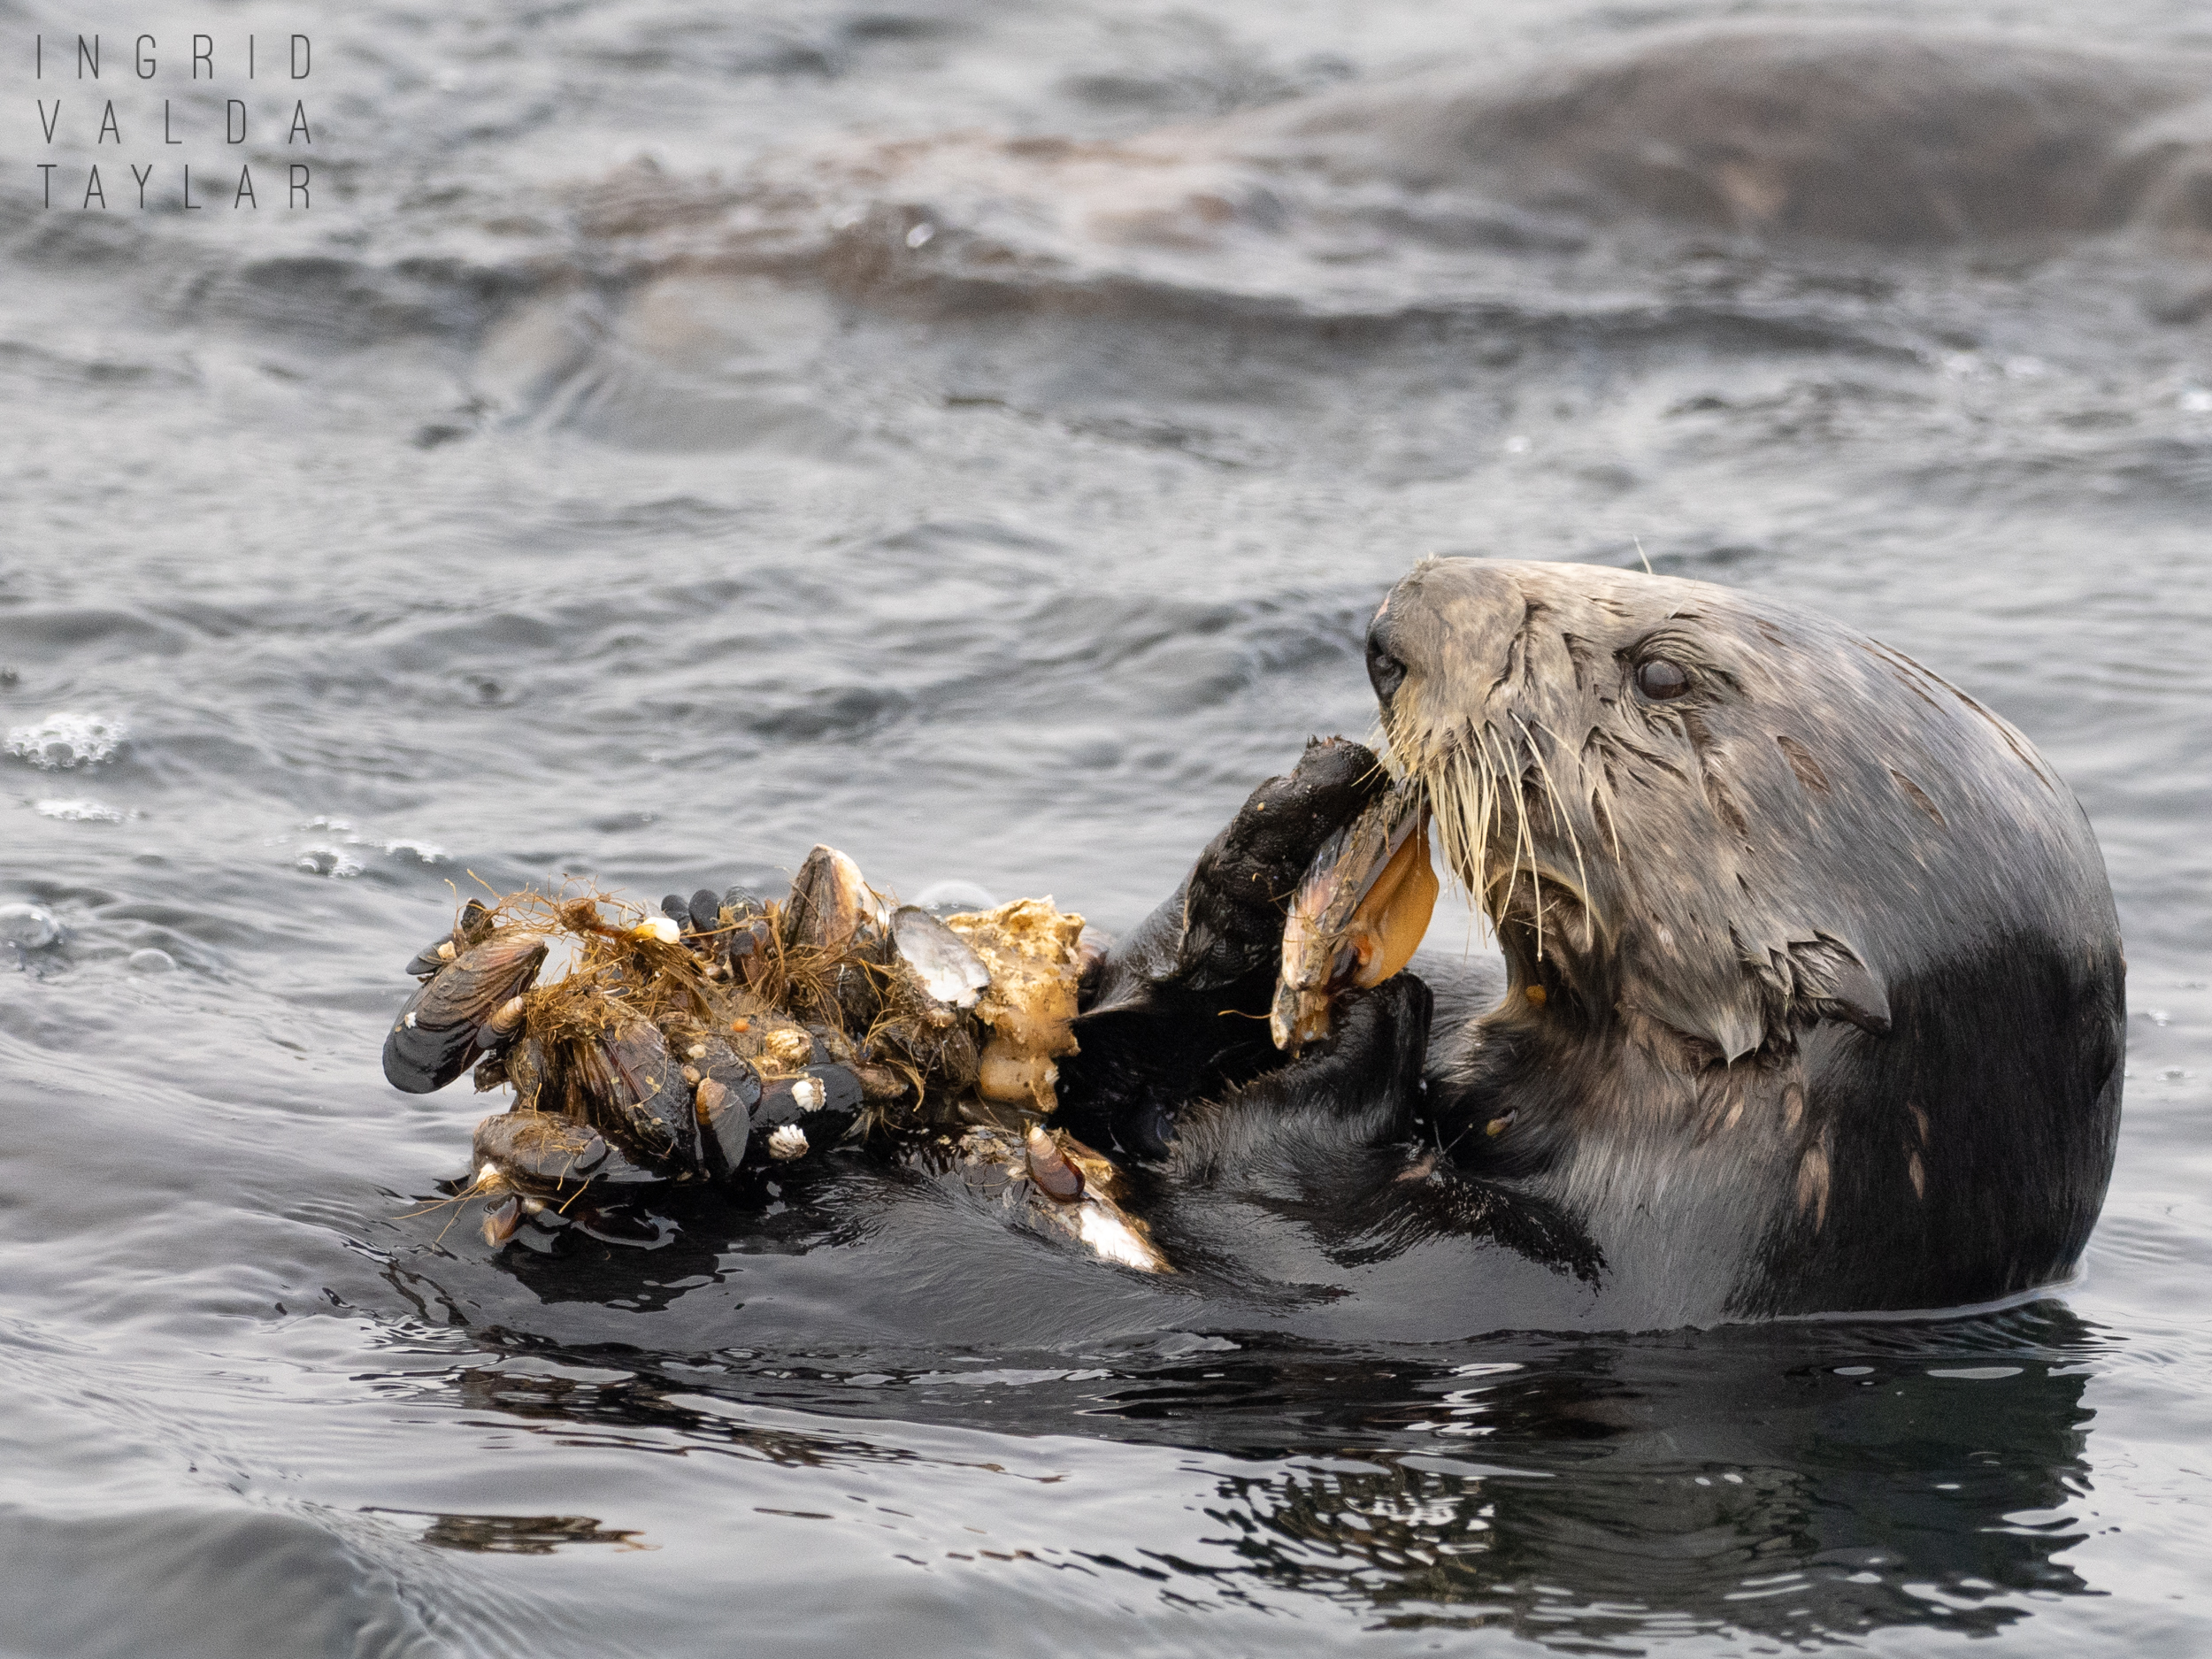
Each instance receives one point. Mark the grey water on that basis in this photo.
(671, 436)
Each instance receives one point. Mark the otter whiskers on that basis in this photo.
(1479, 782)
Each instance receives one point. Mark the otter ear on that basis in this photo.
(1832, 982)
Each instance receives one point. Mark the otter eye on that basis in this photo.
(1660, 680)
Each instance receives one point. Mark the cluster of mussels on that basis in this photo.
(728, 1032)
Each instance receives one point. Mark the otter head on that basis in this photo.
(1722, 838)
(1647, 784)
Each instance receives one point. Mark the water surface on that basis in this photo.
(606, 480)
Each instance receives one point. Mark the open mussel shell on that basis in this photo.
(438, 1033)
(943, 964)
(1356, 918)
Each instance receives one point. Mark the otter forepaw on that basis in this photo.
(1233, 904)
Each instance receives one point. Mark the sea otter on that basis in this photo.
(1814, 989)
(1812, 1002)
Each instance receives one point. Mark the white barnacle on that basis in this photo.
(807, 1094)
(786, 1142)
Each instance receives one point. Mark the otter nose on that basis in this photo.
(1385, 670)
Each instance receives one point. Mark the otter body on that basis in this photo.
(1813, 998)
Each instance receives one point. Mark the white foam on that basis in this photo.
(77, 811)
(327, 861)
(64, 740)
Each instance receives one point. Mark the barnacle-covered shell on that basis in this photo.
(833, 1089)
(1055, 1184)
(830, 903)
(1029, 947)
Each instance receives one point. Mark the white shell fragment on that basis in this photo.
(786, 1142)
(945, 964)
(661, 927)
(1110, 1235)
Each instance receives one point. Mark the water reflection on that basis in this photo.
(1793, 1487)
(1810, 1483)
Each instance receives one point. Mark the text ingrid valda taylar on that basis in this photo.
(140, 142)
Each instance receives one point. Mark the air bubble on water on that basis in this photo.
(150, 961)
(920, 233)
(952, 897)
(324, 821)
(77, 811)
(327, 861)
(2195, 400)
(2025, 368)
(421, 852)
(1516, 445)
(63, 741)
(2158, 1017)
(28, 926)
